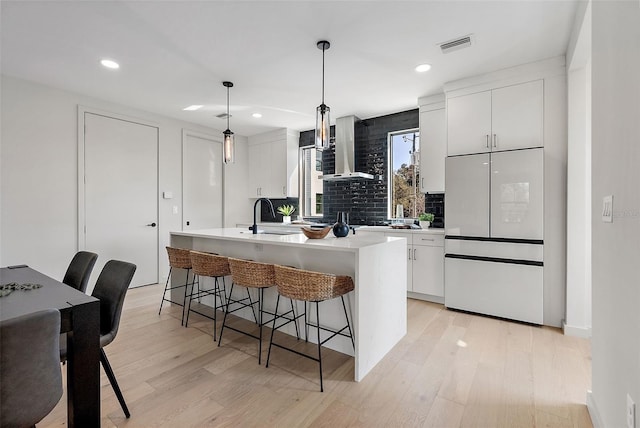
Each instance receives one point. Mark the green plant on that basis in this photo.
(425, 217)
(286, 210)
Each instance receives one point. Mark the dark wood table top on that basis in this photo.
(52, 294)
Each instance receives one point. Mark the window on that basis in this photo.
(404, 179)
(310, 183)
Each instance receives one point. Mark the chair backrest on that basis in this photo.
(207, 264)
(30, 376)
(179, 258)
(111, 288)
(79, 270)
(252, 274)
(310, 286)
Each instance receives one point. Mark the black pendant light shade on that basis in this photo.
(228, 148)
(323, 121)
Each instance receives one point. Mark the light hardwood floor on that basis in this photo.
(452, 369)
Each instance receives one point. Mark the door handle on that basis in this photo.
(487, 141)
(152, 224)
(495, 140)
(414, 254)
(409, 254)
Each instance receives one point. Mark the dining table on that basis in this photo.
(80, 319)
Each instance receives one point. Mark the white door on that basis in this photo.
(467, 195)
(517, 194)
(121, 194)
(201, 182)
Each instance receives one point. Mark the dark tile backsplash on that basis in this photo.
(265, 212)
(434, 203)
(365, 200)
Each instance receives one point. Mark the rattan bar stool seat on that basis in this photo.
(311, 287)
(213, 266)
(179, 258)
(256, 275)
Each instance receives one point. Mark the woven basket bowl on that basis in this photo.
(316, 233)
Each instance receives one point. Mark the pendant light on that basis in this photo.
(228, 143)
(322, 112)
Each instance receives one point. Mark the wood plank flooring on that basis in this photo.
(451, 370)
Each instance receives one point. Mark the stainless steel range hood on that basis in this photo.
(345, 153)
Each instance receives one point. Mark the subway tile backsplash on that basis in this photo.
(365, 200)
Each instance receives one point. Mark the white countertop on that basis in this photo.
(349, 243)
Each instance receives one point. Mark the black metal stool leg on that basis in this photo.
(293, 311)
(319, 345)
(186, 291)
(260, 302)
(226, 312)
(273, 329)
(348, 325)
(165, 290)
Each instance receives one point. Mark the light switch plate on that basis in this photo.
(167, 195)
(607, 209)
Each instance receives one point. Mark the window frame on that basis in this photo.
(390, 135)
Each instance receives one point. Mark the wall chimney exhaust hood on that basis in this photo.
(345, 153)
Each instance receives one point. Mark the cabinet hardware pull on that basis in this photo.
(414, 254)
(495, 141)
(409, 254)
(284, 192)
(426, 239)
(487, 143)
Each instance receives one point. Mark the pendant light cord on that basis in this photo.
(323, 49)
(227, 107)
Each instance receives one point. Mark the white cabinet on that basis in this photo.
(433, 150)
(273, 164)
(425, 265)
(500, 119)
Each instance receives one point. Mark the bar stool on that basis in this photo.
(250, 274)
(308, 286)
(213, 266)
(179, 258)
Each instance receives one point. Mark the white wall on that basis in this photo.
(578, 316)
(616, 246)
(38, 209)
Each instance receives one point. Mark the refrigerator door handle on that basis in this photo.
(487, 141)
(495, 140)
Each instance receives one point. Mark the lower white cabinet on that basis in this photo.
(425, 265)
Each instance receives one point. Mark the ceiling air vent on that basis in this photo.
(454, 45)
(223, 115)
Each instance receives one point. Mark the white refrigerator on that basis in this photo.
(494, 233)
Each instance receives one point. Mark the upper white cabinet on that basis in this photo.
(433, 149)
(496, 120)
(273, 164)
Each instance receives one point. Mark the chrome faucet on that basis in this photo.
(254, 228)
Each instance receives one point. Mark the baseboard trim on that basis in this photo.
(569, 330)
(596, 420)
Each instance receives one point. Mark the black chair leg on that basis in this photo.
(113, 382)
(260, 300)
(293, 311)
(165, 290)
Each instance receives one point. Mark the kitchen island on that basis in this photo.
(376, 263)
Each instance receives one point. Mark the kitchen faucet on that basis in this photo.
(254, 228)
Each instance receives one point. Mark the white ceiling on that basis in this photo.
(177, 53)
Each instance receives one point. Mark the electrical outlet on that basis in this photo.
(607, 209)
(631, 413)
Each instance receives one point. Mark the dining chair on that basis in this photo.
(79, 270)
(31, 379)
(111, 288)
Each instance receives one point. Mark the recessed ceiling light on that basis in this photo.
(193, 107)
(257, 115)
(423, 67)
(109, 63)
